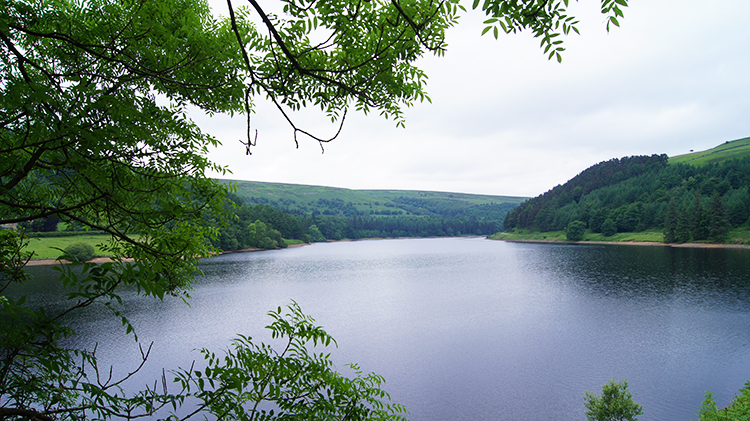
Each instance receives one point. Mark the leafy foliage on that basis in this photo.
(739, 409)
(315, 234)
(575, 231)
(547, 20)
(609, 228)
(614, 404)
(84, 138)
(80, 251)
(294, 382)
(13, 257)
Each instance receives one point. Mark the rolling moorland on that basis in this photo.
(700, 197)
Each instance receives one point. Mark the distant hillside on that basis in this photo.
(267, 214)
(305, 199)
(694, 197)
(739, 148)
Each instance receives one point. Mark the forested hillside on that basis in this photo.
(265, 215)
(690, 202)
(268, 213)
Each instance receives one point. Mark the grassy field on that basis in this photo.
(733, 149)
(740, 236)
(649, 236)
(520, 234)
(45, 247)
(301, 196)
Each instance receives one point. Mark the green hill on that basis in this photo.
(696, 197)
(269, 213)
(739, 148)
(306, 199)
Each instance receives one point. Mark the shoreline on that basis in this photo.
(49, 262)
(629, 243)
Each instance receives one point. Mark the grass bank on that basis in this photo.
(740, 236)
(650, 236)
(46, 247)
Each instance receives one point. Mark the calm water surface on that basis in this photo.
(471, 329)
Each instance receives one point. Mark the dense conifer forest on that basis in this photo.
(688, 202)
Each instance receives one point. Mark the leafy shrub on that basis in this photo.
(80, 251)
(315, 234)
(615, 403)
(575, 230)
(739, 409)
(609, 228)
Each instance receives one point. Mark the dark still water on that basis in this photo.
(472, 329)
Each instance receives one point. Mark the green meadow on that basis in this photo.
(49, 247)
(739, 148)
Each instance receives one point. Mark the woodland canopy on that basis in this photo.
(689, 202)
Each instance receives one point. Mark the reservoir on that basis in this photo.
(468, 328)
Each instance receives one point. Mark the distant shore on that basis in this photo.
(628, 243)
(47, 262)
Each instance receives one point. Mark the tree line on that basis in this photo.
(690, 203)
(264, 226)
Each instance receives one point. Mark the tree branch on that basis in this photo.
(25, 413)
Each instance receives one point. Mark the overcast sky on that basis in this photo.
(506, 121)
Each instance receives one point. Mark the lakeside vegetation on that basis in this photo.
(273, 215)
(702, 198)
(649, 236)
(316, 213)
(739, 236)
(49, 247)
(739, 409)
